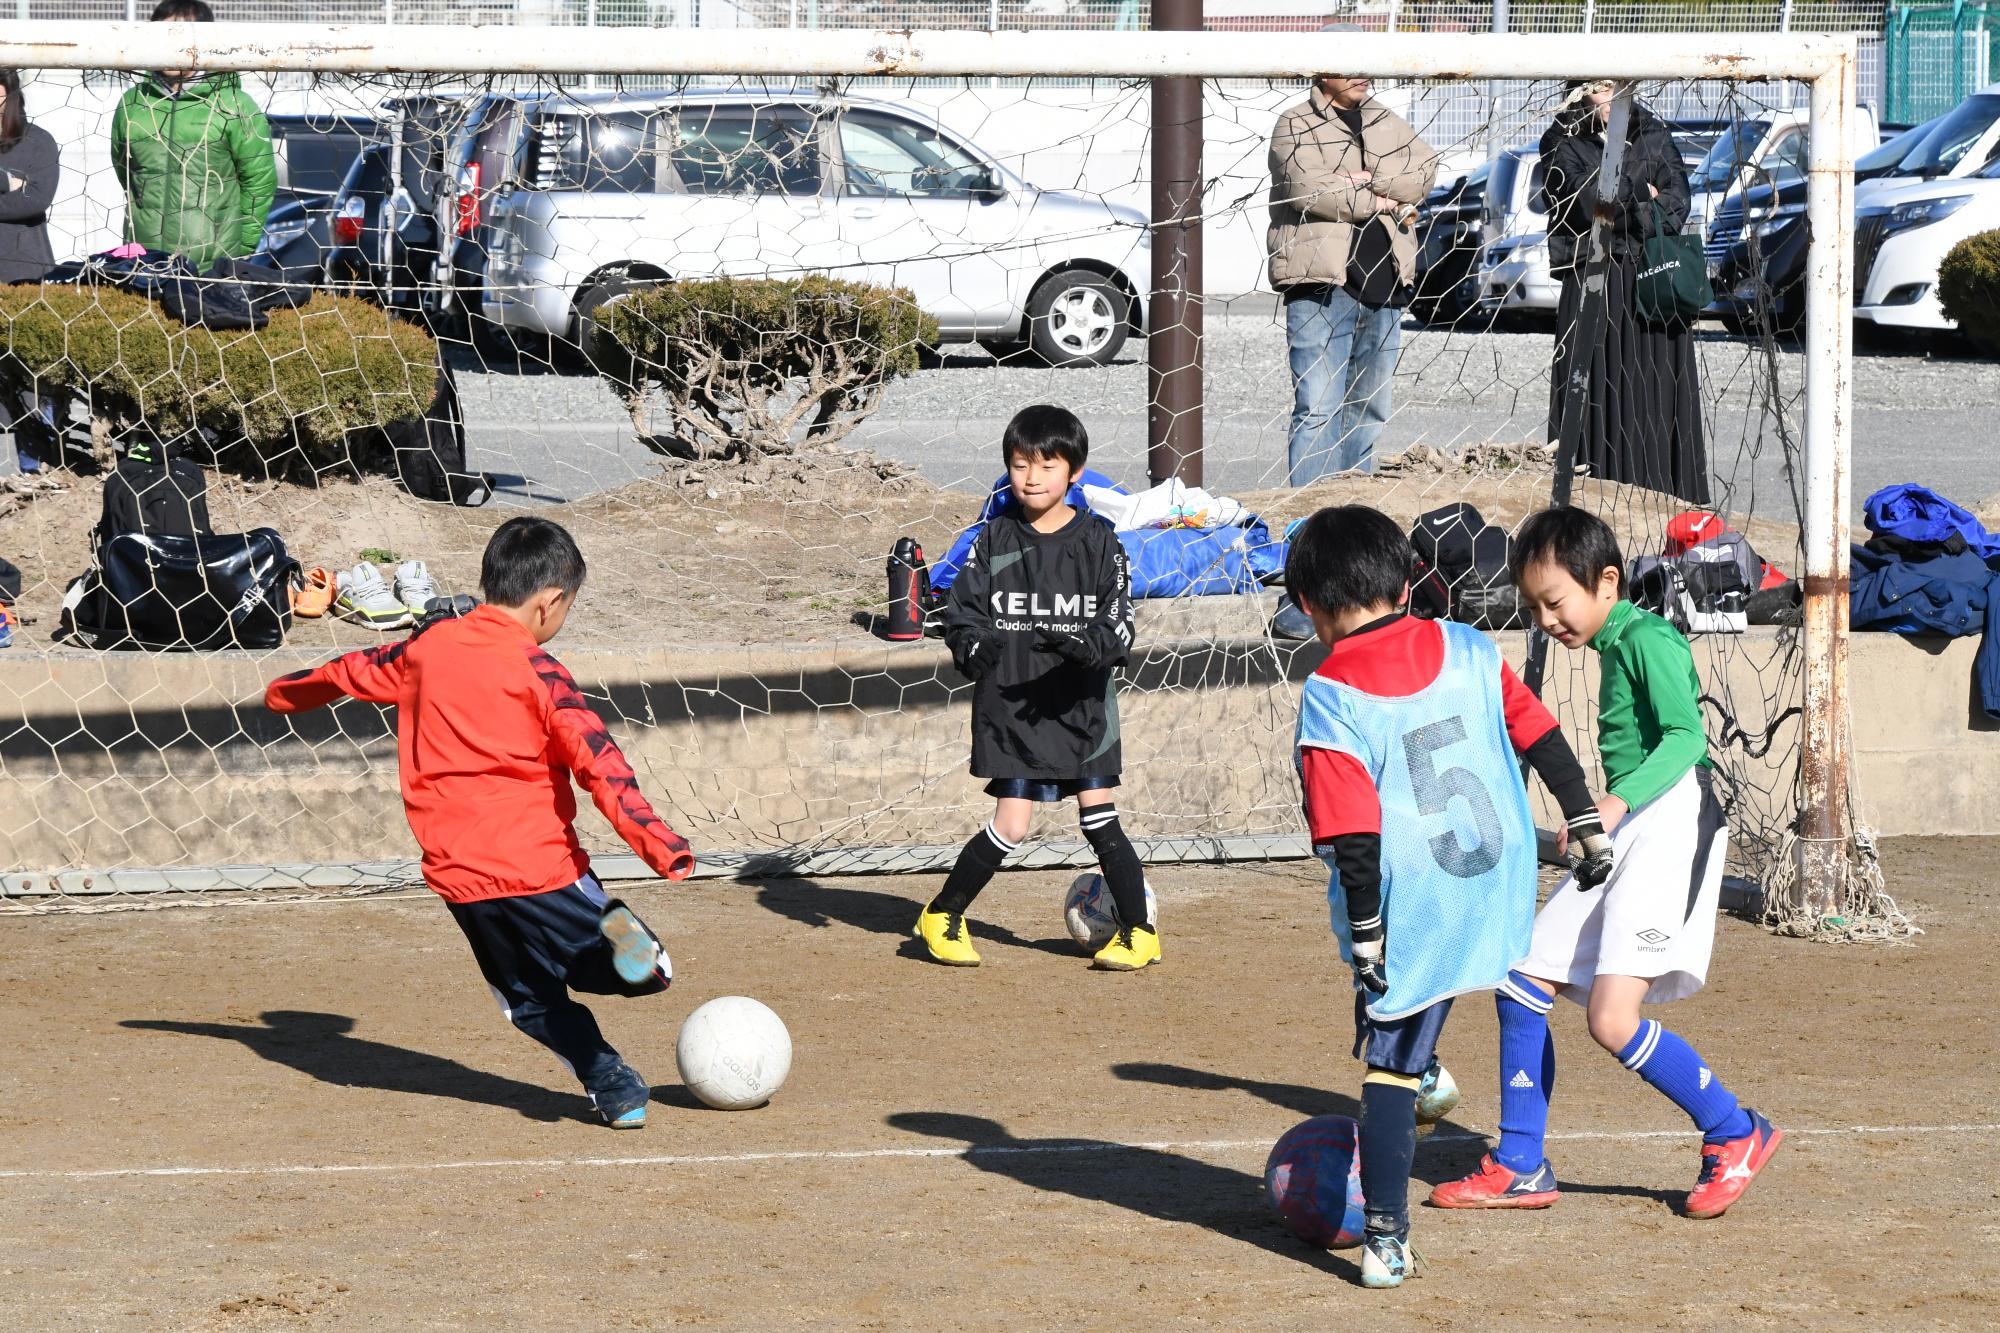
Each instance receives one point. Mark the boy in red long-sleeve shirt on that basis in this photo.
(489, 731)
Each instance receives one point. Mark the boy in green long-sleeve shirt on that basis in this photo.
(1646, 934)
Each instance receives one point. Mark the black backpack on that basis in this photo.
(1461, 569)
(158, 499)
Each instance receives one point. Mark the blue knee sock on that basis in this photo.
(1673, 1067)
(1527, 1072)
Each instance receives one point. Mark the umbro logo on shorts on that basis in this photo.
(1654, 936)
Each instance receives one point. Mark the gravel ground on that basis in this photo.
(1916, 417)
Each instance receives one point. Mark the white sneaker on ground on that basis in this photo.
(364, 597)
(414, 586)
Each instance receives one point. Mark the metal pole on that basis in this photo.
(1502, 20)
(1823, 767)
(1173, 344)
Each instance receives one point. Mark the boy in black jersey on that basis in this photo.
(1039, 616)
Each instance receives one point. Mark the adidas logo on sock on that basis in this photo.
(1706, 1078)
(1521, 1079)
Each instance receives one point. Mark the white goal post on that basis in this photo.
(1826, 62)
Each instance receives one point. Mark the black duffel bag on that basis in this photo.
(183, 594)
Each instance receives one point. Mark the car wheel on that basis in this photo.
(1077, 318)
(585, 329)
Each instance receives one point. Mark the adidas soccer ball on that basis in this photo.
(734, 1053)
(1313, 1178)
(1091, 915)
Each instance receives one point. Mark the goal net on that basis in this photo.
(745, 310)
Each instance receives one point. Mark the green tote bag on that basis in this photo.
(1673, 276)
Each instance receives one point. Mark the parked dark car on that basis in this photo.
(1757, 243)
(385, 227)
(1450, 232)
(313, 156)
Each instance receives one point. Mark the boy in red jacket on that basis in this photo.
(489, 731)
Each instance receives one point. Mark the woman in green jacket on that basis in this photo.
(193, 152)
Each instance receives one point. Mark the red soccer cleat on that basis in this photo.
(1728, 1168)
(1494, 1186)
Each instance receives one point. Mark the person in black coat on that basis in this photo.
(1642, 423)
(30, 164)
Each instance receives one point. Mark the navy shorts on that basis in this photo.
(1046, 790)
(1400, 1045)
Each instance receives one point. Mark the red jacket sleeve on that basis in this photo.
(1528, 719)
(1340, 797)
(373, 675)
(583, 744)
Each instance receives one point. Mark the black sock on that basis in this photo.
(1123, 874)
(1388, 1143)
(976, 864)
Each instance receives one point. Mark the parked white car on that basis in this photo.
(1946, 189)
(587, 195)
(1514, 271)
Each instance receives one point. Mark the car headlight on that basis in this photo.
(1923, 212)
(1777, 221)
(278, 237)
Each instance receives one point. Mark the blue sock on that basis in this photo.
(1388, 1143)
(1673, 1067)
(1527, 1072)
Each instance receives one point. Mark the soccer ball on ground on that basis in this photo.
(1091, 915)
(1313, 1177)
(734, 1053)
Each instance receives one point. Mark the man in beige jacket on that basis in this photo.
(1346, 176)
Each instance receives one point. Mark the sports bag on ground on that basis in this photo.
(1462, 562)
(183, 594)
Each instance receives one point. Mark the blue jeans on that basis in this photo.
(1343, 355)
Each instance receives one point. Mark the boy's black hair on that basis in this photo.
(1347, 557)
(1046, 431)
(1576, 539)
(527, 555)
(183, 11)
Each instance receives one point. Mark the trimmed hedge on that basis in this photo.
(283, 399)
(744, 366)
(1969, 287)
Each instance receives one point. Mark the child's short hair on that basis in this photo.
(1576, 539)
(1046, 431)
(1347, 557)
(527, 555)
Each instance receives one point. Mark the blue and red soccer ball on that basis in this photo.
(1313, 1177)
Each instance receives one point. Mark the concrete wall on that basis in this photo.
(128, 760)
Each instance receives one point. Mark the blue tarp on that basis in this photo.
(1165, 562)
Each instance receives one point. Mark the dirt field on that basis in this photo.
(312, 1117)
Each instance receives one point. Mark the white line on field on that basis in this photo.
(1050, 1148)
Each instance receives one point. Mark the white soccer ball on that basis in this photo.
(1091, 915)
(734, 1053)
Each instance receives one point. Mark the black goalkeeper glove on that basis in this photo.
(975, 653)
(1368, 970)
(1071, 648)
(1593, 846)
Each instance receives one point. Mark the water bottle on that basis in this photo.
(909, 591)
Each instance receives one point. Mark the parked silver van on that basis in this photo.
(562, 200)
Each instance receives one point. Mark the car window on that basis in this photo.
(1952, 137)
(492, 151)
(1731, 149)
(316, 161)
(746, 150)
(1880, 159)
(616, 152)
(1787, 165)
(887, 155)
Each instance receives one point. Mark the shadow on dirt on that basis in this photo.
(1149, 1181)
(321, 1046)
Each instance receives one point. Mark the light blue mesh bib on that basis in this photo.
(1458, 844)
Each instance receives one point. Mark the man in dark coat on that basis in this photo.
(1642, 420)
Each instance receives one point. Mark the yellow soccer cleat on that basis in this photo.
(1132, 948)
(948, 938)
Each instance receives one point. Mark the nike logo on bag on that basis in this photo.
(1520, 1080)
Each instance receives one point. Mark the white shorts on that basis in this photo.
(1655, 916)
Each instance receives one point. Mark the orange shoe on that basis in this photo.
(313, 600)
